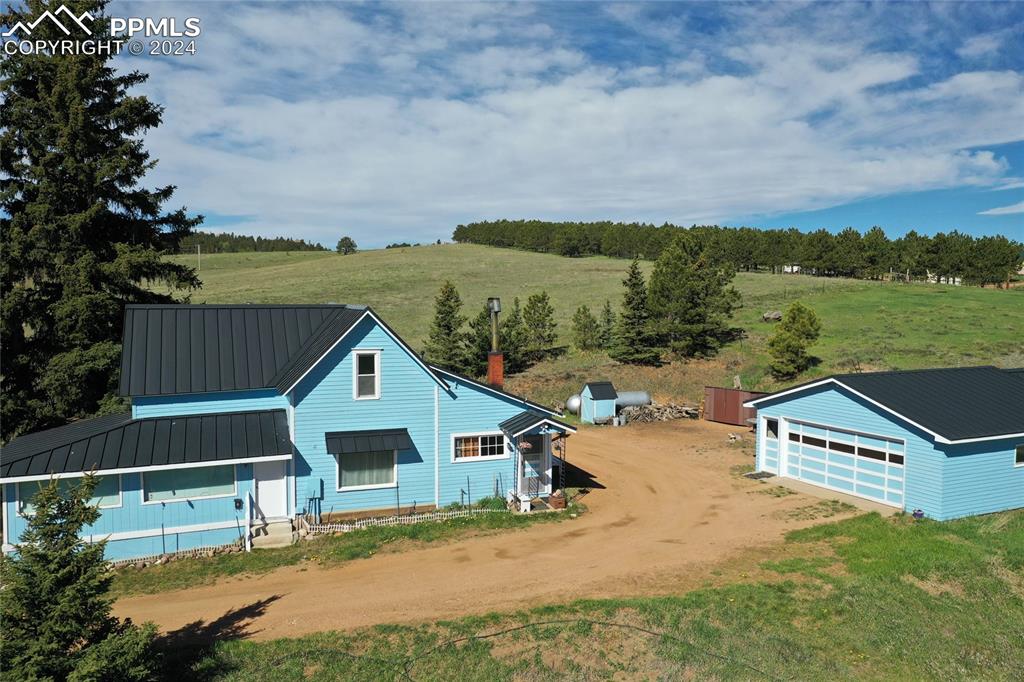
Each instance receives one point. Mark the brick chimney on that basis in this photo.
(495, 358)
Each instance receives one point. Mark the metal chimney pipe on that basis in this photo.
(495, 359)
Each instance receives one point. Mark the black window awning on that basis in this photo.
(375, 440)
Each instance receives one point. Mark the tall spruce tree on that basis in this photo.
(80, 236)
(478, 343)
(445, 344)
(541, 328)
(607, 322)
(55, 610)
(690, 301)
(586, 330)
(799, 328)
(513, 339)
(635, 342)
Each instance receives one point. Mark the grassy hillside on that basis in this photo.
(865, 324)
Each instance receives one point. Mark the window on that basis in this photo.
(107, 493)
(477, 447)
(366, 382)
(1019, 456)
(178, 485)
(361, 470)
(772, 426)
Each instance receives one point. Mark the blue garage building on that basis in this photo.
(949, 442)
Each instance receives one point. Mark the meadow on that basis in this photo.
(866, 325)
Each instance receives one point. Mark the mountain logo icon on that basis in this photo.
(69, 19)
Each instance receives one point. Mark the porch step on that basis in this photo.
(273, 533)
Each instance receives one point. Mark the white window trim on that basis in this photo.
(371, 486)
(20, 503)
(487, 458)
(233, 493)
(1016, 464)
(356, 352)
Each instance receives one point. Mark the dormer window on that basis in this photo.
(366, 379)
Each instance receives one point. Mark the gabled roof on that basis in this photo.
(118, 443)
(953, 404)
(601, 390)
(524, 421)
(177, 349)
(493, 389)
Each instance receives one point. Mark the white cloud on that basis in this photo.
(980, 45)
(311, 120)
(1005, 210)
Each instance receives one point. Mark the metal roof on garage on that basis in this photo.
(375, 440)
(953, 403)
(119, 443)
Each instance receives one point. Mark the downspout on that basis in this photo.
(291, 462)
(437, 447)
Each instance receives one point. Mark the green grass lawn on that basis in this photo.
(869, 325)
(325, 550)
(868, 597)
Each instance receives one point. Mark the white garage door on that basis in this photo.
(851, 462)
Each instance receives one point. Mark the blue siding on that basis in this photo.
(206, 403)
(944, 481)
(834, 406)
(323, 402)
(981, 478)
(135, 517)
(472, 409)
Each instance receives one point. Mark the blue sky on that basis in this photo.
(395, 122)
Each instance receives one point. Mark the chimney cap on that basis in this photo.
(494, 304)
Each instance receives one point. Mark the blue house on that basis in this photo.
(949, 442)
(245, 414)
(597, 402)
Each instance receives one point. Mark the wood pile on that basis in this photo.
(656, 412)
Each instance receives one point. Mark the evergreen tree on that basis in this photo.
(607, 325)
(635, 343)
(798, 329)
(877, 253)
(478, 343)
(346, 245)
(55, 610)
(513, 339)
(690, 302)
(586, 330)
(444, 346)
(80, 236)
(541, 328)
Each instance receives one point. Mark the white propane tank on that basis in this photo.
(633, 399)
(572, 405)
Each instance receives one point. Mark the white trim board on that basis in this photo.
(387, 331)
(938, 438)
(135, 470)
(484, 386)
(560, 427)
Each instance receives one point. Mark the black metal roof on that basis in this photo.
(524, 421)
(601, 390)
(376, 440)
(172, 349)
(120, 442)
(956, 403)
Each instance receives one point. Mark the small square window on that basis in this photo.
(1019, 459)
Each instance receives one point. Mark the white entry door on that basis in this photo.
(271, 488)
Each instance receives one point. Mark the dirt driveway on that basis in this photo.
(669, 512)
